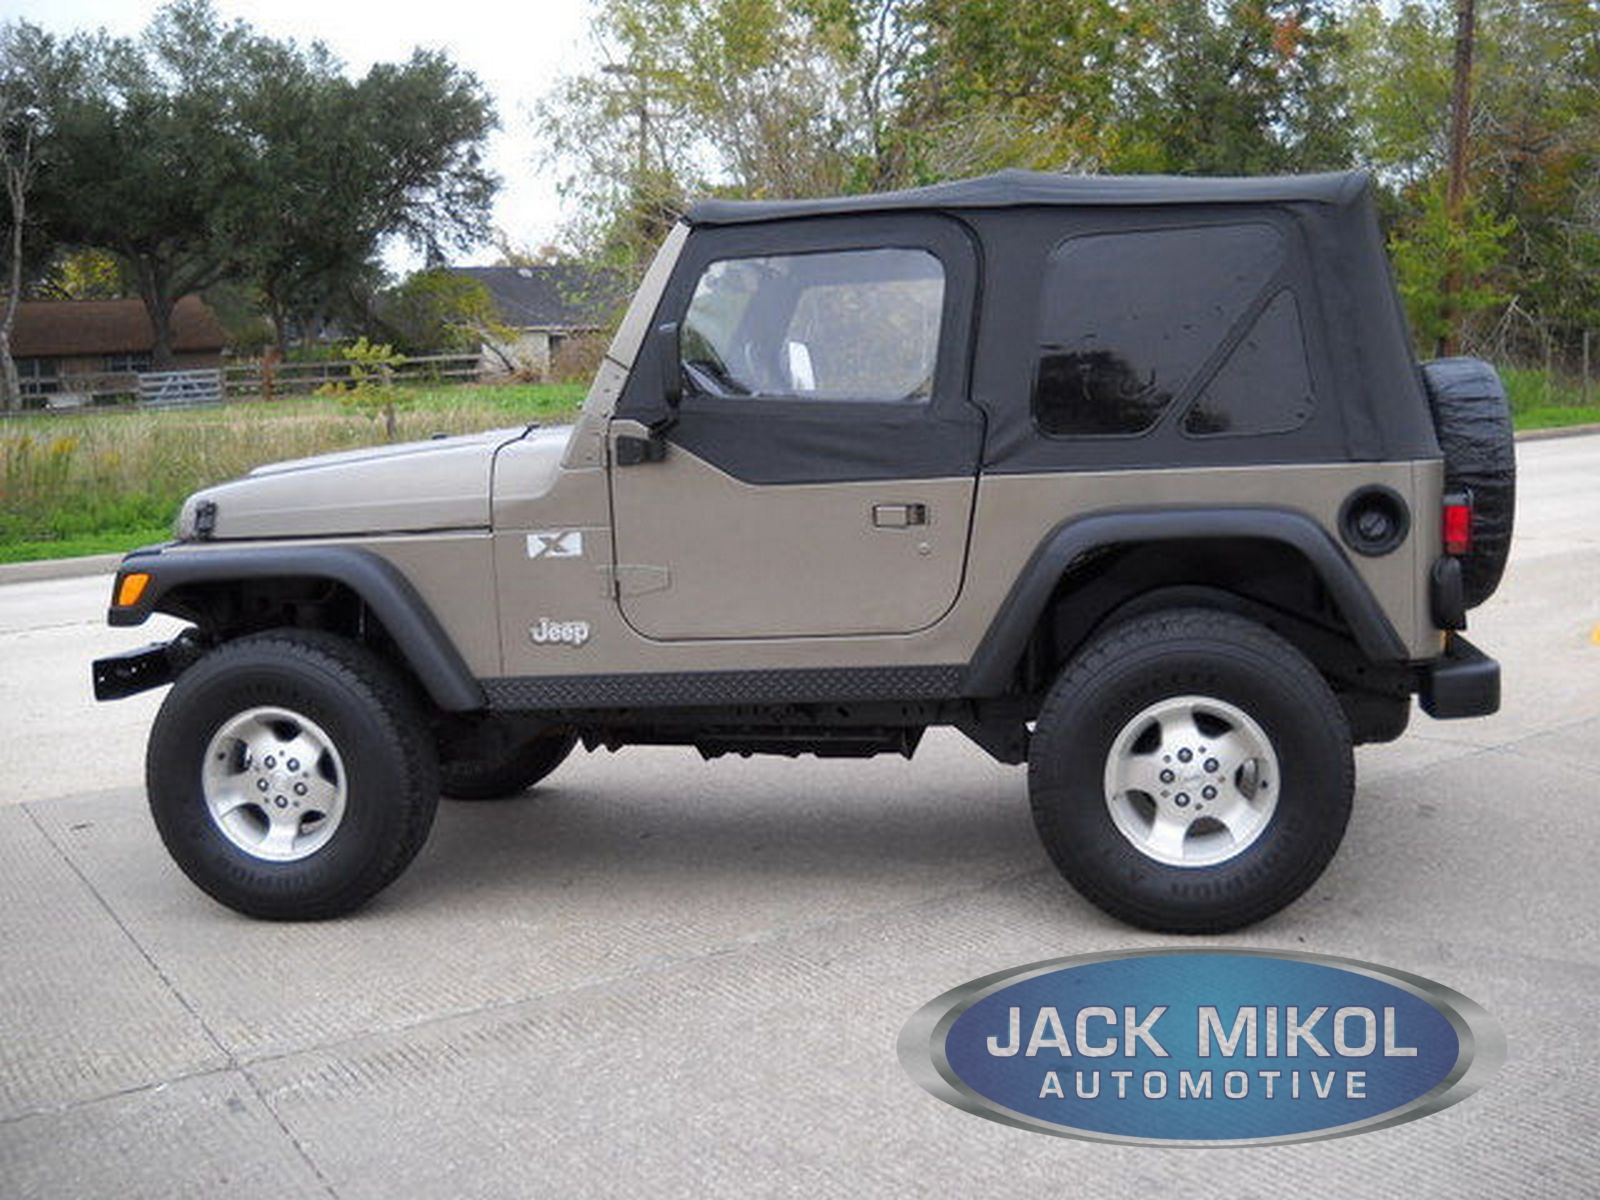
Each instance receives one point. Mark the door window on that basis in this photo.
(843, 325)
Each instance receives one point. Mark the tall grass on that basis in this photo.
(90, 477)
(1542, 400)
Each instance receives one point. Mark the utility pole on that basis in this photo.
(1456, 195)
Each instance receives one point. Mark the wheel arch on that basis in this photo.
(1295, 536)
(201, 585)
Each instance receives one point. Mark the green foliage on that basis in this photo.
(371, 389)
(439, 312)
(1428, 247)
(85, 273)
(107, 480)
(203, 150)
(1244, 87)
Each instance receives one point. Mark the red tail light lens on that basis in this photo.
(1457, 524)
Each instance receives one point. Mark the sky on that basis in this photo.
(517, 50)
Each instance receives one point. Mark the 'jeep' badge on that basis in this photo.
(568, 633)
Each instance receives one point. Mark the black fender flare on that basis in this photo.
(428, 650)
(1002, 648)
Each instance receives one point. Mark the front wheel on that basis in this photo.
(1191, 772)
(291, 776)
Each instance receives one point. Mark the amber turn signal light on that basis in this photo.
(131, 588)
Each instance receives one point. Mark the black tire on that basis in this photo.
(1237, 667)
(337, 693)
(511, 775)
(1473, 422)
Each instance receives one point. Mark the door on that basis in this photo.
(819, 469)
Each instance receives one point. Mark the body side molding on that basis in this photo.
(1003, 645)
(380, 584)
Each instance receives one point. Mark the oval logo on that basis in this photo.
(1214, 1047)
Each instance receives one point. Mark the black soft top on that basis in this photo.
(1013, 189)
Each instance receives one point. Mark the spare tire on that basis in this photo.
(1473, 422)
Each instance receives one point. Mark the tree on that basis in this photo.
(746, 97)
(439, 310)
(206, 151)
(1430, 245)
(154, 162)
(1237, 88)
(397, 153)
(34, 70)
(992, 83)
(1534, 162)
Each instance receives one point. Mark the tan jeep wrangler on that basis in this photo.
(1133, 480)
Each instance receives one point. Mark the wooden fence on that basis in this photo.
(298, 378)
(167, 389)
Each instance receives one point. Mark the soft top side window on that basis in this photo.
(1127, 320)
(836, 325)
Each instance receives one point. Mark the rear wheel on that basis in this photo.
(1191, 772)
(291, 775)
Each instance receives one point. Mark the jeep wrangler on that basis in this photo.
(1133, 480)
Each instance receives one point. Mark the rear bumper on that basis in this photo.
(1462, 682)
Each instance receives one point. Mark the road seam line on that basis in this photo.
(232, 1061)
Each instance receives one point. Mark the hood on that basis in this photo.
(439, 484)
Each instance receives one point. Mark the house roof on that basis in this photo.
(557, 296)
(70, 328)
(1011, 189)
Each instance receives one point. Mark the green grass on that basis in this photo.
(118, 542)
(108, 480)
(1543, 401)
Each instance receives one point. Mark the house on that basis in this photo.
(546, 305)
(79, 348)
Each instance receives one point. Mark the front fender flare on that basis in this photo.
(1002, 648)
(428, 650)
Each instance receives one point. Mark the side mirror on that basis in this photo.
(670, 362)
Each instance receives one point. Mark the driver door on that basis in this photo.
(818, 471)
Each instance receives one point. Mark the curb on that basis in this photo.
(1559, 431)
(58, 568)
(104, 564)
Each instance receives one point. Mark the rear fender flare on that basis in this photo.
(1003, 646)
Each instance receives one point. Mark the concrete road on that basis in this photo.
(656, 976)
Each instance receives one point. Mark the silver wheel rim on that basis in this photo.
(274, 784)
(1192, 781)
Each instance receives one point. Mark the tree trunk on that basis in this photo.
(17, 174)
(10, 385)
(161, 320)
(155, 289)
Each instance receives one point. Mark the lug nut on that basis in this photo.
(280, 801)
(1167, 777)
(1183, 756)
(1209, 792)
(1211, 766)
(270, 762)
(261, 785)
(299, 789)
(294, 764)
(1181, 799)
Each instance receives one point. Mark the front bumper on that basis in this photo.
(1462, 682)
